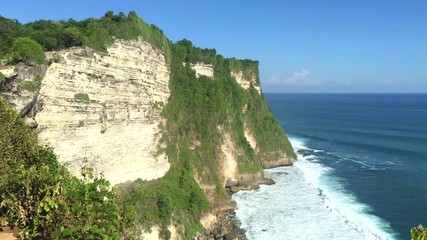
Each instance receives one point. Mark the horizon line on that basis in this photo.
(345, 92)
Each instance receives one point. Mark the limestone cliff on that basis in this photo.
(176, 128)
(203, 69)
(246, 82)
(115, 129)
(104, 110)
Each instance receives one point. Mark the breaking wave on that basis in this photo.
(307, 201)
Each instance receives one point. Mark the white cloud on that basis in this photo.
(299, 78)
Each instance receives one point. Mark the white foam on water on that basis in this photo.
(307, 202)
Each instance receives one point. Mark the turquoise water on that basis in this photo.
(365, 175)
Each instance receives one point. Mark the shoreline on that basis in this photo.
(300, 186)
(227, 225)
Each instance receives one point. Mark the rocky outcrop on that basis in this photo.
(21, 87)
(224, 227)
(246, 82)
(233, 179)
(280, 159)
(270, 159)
(203, 69)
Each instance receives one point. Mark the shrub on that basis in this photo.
(16, 140)
(33, 85)
(45, 201)
(419, 233)
(42, 199)
(73, 37)
(84, 97)
(174, 198)
(26, 50)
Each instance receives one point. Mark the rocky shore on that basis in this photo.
(227, 226)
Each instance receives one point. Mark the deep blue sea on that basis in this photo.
(363, 176)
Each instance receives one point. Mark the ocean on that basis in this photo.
(362, 173)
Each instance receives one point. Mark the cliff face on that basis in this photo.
(114, 127)
(103, 110)
(193, 125)
(246, 82)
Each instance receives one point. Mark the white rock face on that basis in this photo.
(246, 83)
(8, 71)
(113, 126)
(22, 92)
(228, 158)
(229, 166)
(250, 138)
(203, 69)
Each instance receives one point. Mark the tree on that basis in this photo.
(109, 14)
(9, 29)
(73, 37)
(26, 50)
(47, 33)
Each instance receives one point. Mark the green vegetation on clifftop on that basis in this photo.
(94, 33)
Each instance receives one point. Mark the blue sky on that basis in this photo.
(302, 45)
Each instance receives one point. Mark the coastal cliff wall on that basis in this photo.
(189, 117)
(102, 110)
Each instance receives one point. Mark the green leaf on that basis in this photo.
(66, 232)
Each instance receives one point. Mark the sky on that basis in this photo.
(337, 46)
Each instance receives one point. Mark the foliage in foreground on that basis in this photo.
(43, 200)
(419, 233)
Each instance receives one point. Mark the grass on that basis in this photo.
(33, 85)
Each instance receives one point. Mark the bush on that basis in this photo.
(43, 200)
(26, 50)
(33, 85)
(84, 97)
(73, 37)
(16, 140)
(174, 198)
(419, 233)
